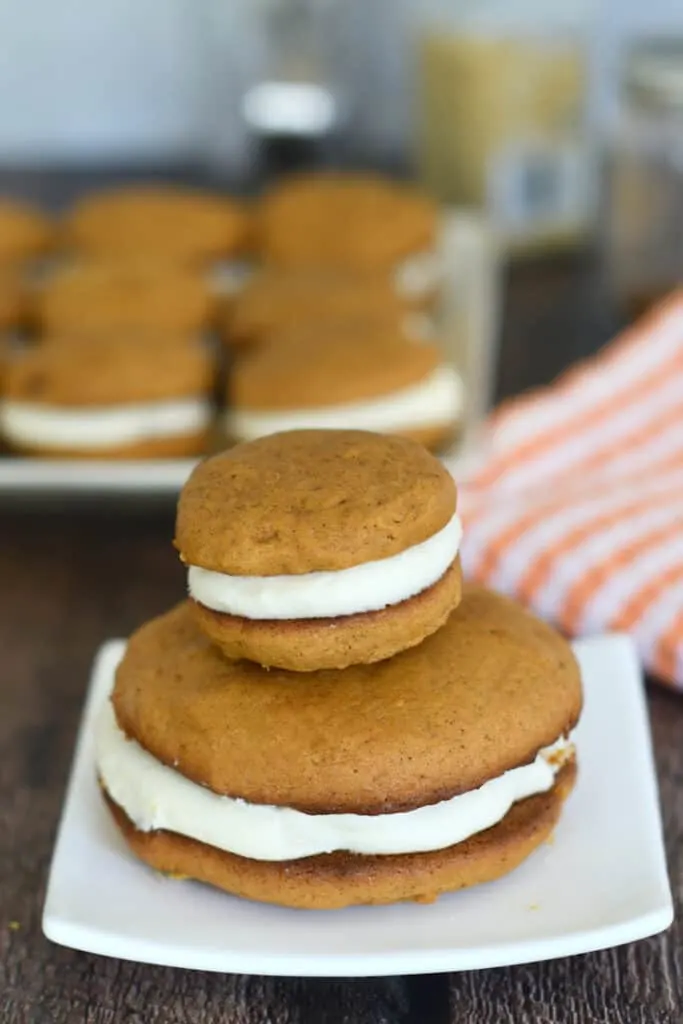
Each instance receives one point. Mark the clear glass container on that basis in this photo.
(292, 109)
(501, 90)
(644, 201)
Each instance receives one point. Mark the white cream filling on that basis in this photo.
(434, 402)
(323, 595)
(49, 426)
(157, 797)
(418, 276)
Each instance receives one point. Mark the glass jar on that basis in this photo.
(644, 202)
(292, 109)
(501, 123)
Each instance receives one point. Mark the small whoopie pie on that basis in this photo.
(320, 548)
(108, 397)
(274, 301)
(358, 223)
(346, 374)
(443, 767)
(92, 297)
(161, 222)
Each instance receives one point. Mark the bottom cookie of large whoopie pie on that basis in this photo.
(336, 880)
(304, 645)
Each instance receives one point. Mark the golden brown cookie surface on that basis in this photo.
(84, 372)
(340, 879)
(274, 301)
(480, 696)
(311, 500)
(314, 367)
(168, 223)
(109, 297)
(24, 232)
(14, 300)
(353, 221)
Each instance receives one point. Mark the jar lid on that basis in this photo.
(654, 71)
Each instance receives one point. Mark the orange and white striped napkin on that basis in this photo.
(577, 508)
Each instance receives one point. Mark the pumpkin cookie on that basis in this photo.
(356, 223)
(113, 398)
(139, 297)
(25, 232)
(319, 548)
(165, 223)
(274, 301)
(354, 375)
(14, 300)
(437, 769)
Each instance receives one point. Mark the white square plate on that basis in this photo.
(601, 882)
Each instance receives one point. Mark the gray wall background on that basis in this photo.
(149, 79)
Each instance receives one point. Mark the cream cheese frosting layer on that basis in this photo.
(315, 595)
(155, 796)
(90, 428)
(433, 402)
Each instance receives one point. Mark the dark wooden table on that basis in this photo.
(69, 579)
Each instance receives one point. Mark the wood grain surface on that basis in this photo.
(71, 577)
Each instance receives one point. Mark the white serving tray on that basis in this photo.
(470, 324)
(602, 881)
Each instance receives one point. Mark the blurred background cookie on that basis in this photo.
(162, 223)
(138, 296)
(360, 223)
(115, 399)
(350, 377)
(277, 300)
(25, 233)
(14, 300)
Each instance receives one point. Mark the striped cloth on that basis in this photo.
(577, 507)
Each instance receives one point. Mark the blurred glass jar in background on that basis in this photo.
(502, 89)
(292, 108)
(644, 178)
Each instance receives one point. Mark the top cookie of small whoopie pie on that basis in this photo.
(311, 500)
